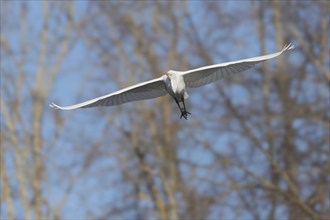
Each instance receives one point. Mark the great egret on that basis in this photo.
(174, 83)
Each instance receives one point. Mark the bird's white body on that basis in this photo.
(175, 83)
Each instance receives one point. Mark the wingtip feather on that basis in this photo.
(289, 46)
(54, 106)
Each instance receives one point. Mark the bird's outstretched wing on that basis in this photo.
(146, 90)
(205, 75)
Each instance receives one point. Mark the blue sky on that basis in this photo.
(79, 79)
(67, 89)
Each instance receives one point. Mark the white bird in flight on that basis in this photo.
(174, 83)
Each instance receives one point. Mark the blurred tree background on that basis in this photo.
(255, 147)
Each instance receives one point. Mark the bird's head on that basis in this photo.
(169, 73)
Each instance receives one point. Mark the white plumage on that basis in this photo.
(174, 83)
